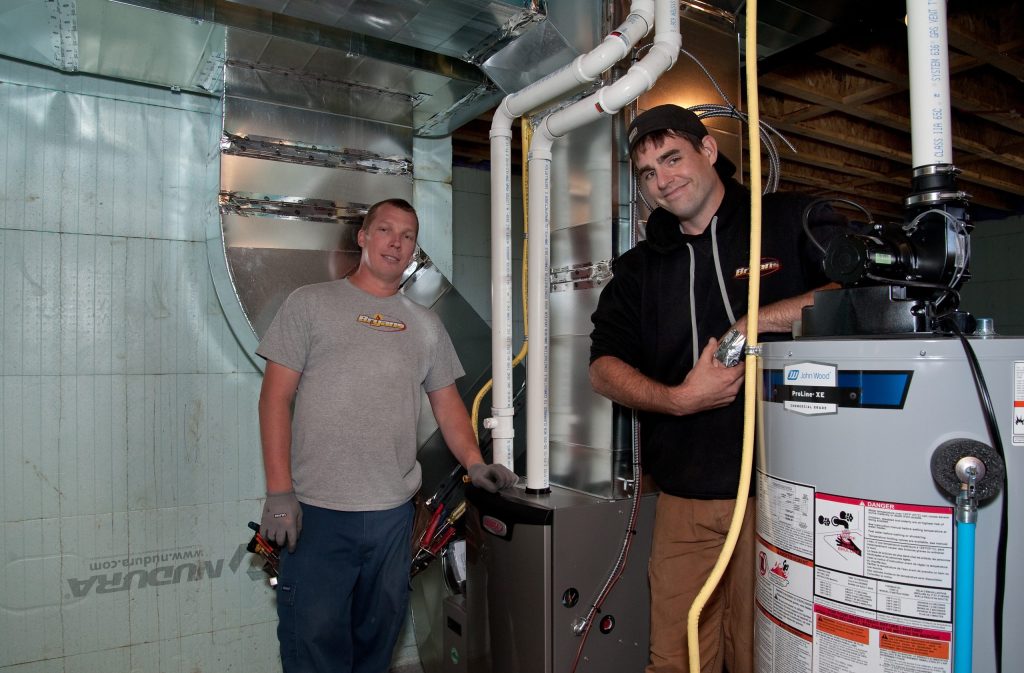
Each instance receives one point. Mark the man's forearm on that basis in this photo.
(622, 383)
(275, 436)
(779, 316)
(275, 409)
(454, 422)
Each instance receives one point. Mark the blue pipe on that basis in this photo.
(963, 607)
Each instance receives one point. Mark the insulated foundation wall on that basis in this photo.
(129, 453)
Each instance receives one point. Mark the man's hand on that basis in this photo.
(282, 519)
(491, 478)
(709, 385)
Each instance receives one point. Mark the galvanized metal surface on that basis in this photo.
(557, 568)
(270, 254)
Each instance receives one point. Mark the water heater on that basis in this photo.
(856, 541)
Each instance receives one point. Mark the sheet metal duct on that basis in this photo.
(178, 43)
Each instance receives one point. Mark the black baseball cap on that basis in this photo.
(671, 117)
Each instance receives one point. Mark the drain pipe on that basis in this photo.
(608, 100)
(583, 70)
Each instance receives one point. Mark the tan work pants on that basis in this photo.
(688, 536)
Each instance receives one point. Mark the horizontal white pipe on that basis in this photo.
(587, 67)
(610, 99)
(930, 135)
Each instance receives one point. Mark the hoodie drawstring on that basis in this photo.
(721, 287)
(718, 271)
(693, 308)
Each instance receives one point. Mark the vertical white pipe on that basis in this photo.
(538, 288)
(583, 69)
(606, 101)
(501, 289)
(931, 139)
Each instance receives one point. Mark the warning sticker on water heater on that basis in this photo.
(807, 385)
(883, 585)
(846, 584)
(1018, 402)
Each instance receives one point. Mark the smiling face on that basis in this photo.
(388, 241)
(680, 178)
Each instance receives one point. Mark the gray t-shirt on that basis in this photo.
(364, 361)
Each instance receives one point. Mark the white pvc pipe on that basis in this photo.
(500, 422)
(582, 70)
(539, 289)
(606, 101)
(587, 67)
(931, 139)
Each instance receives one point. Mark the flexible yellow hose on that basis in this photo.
(750, 362)
(527, 133)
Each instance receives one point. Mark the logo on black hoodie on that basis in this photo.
(769, 265)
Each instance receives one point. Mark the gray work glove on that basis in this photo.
(282, 519)
(491, 478)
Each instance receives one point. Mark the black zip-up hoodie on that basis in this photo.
(646, 318)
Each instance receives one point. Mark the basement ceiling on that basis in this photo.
(843, 100)
(832, 75)
(833, 79)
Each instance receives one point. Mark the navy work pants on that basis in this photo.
(343, 595)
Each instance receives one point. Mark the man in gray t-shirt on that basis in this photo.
(353, 356)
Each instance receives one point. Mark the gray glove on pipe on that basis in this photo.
(282, 519)
(491, 478)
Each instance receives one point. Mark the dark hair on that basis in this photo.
(401, 204)
(657, 138)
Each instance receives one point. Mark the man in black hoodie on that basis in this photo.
(656, 329)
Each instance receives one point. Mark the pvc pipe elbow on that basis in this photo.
(614, 47)
(542, 141)
(670, 43)
(643, 9)
(501, 123)
(626, 89)
(640, 78)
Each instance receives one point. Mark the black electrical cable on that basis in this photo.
(997, 443)
(805, 217)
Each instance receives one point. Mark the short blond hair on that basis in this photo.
(401, 204)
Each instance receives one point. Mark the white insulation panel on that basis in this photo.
(129, 448)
